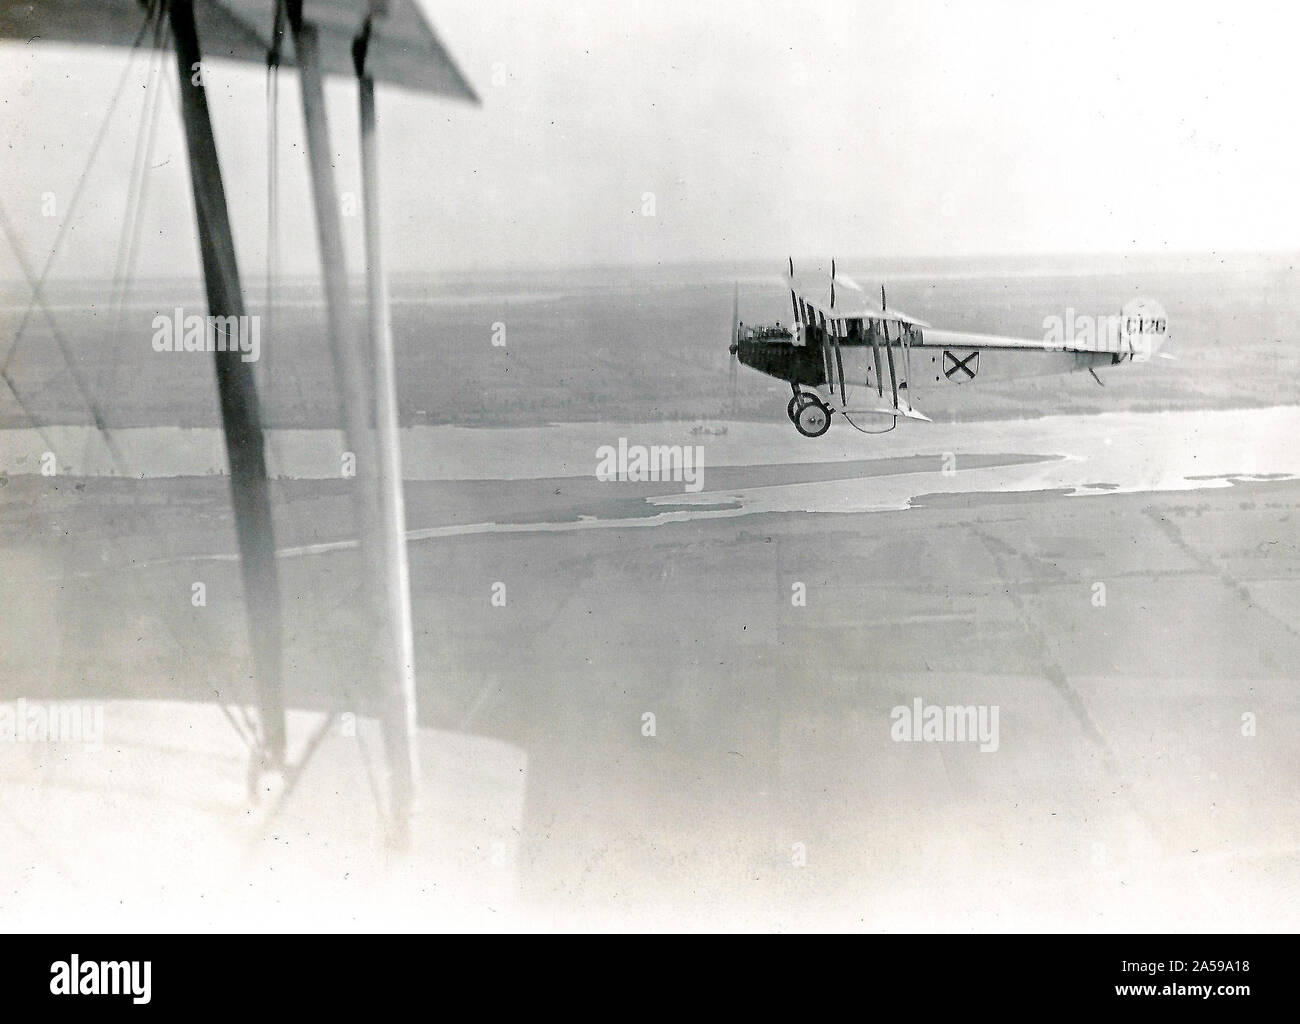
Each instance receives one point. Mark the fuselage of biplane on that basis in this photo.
(808, 359)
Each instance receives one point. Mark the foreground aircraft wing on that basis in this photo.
(366, 41)
(403, 49)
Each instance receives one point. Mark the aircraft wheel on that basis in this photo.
(801, 399)
(813, 419)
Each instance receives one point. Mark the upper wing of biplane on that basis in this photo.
(838, 294)
(403, 50)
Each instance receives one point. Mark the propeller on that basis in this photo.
(735, 338)
(795, 324)
(735, 319)
(832, 283)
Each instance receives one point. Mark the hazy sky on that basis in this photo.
(760, 128)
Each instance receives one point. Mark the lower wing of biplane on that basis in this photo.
(857, 358)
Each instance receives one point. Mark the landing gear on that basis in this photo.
(811, 418)
(800, 398)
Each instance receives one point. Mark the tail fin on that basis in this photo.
(1144, 328)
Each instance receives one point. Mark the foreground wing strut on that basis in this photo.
(240, 415)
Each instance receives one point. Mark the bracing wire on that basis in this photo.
(272, 191)
(864, 430)
(132, 193)
(36, 283)
(38, 291)
(61, 342)
(249, 740)
(133, 218)
(146, 155)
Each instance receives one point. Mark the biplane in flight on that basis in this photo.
(857, 358)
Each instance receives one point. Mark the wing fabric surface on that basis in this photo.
(404, 50)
